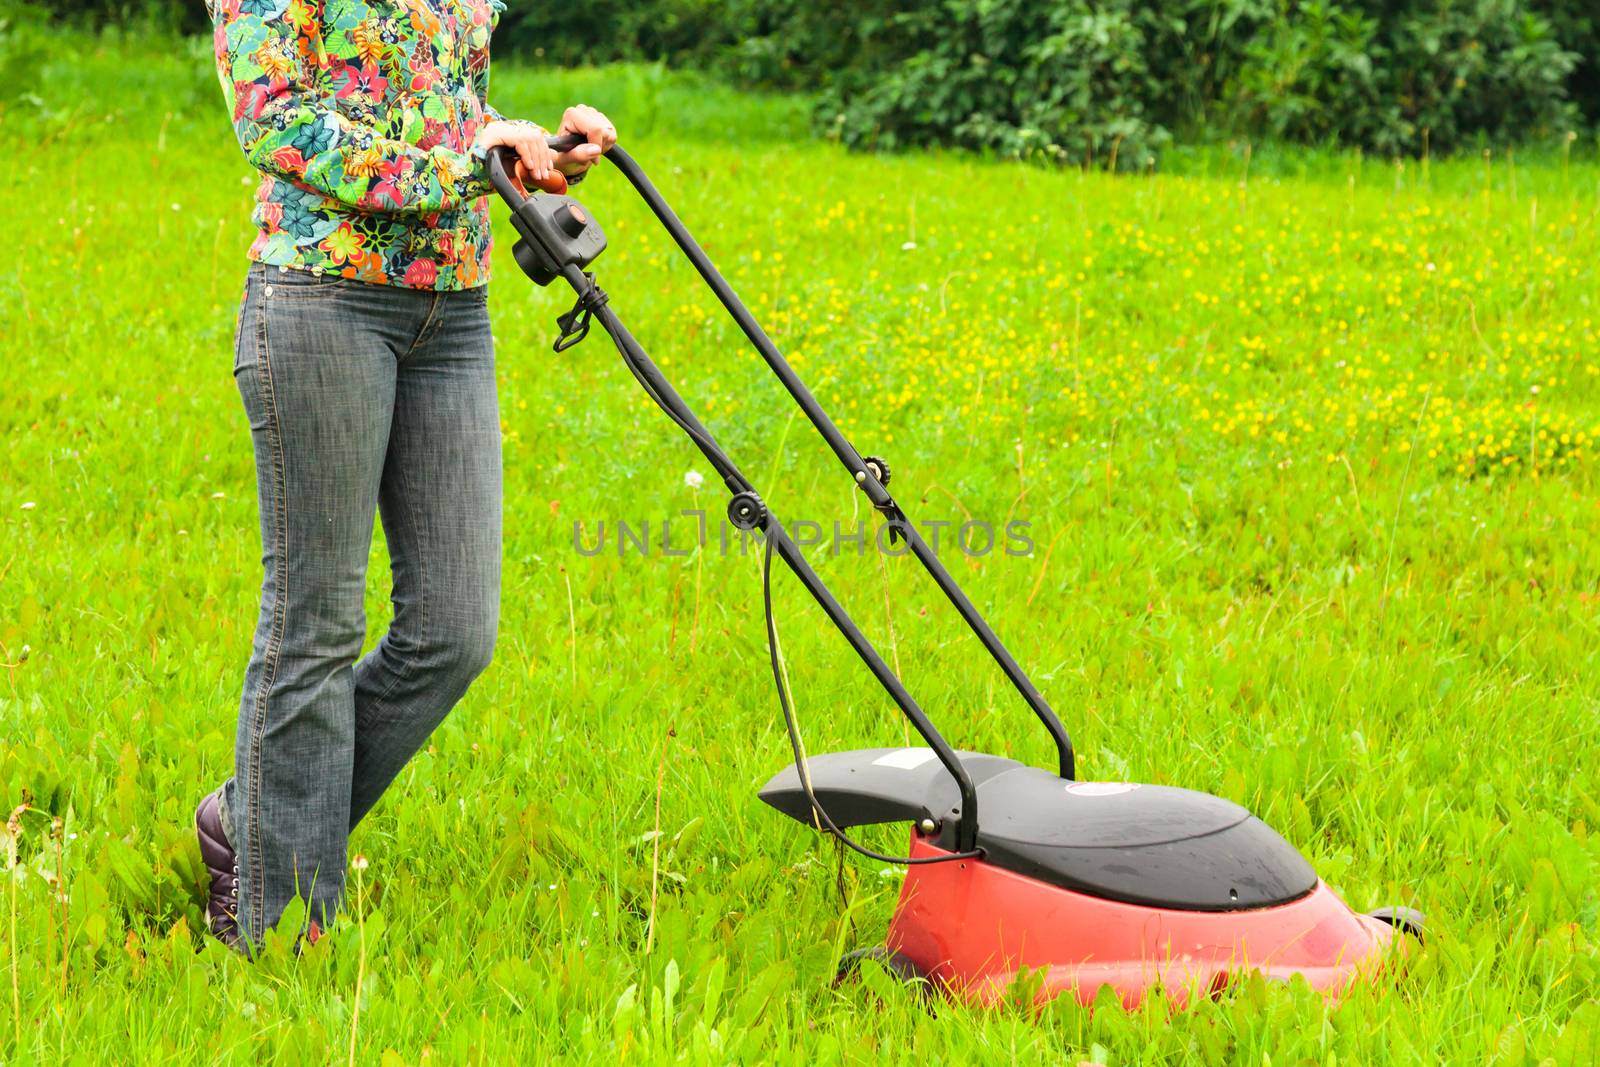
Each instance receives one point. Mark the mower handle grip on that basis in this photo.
(502, 164)
(565, 142)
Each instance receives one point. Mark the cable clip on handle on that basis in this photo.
(575, 323)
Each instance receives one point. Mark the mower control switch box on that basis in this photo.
(556, 233)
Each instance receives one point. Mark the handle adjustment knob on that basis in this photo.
(571, 219)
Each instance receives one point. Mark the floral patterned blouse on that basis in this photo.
(360, 116)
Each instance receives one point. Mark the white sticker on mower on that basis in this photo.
(1100, 789)
(905, 759)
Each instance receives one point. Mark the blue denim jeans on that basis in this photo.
(362, 399)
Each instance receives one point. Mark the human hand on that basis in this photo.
(536, 161)
(595, 127)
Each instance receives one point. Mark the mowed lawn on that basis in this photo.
(1307, 452)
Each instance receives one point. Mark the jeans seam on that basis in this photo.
(422, 584)
(416, 533)
(428, 321)
(274, 650)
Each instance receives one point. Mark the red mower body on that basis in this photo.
(1090, 884)
(973, 927)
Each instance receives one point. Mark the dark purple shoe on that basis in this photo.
(222, 906)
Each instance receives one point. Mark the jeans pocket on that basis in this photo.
(238, 324)
(296, 284)
(245, 332)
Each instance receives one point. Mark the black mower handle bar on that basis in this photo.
(501, 167)
(565, 142)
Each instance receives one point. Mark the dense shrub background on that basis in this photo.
(1093, 80)
(1079, 79)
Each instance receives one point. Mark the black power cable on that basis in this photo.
(630, 359)
(799, 756)
(719, 459)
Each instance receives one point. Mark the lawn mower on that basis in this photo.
(1011, 869)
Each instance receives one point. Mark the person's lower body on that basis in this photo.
(362, 399)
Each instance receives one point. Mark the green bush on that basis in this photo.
(1400, 82)
(1092, 81)
(1084, 79)
(1576, 24)
(598, 31)
(1066, 81)
(23, 52)
(162, 16)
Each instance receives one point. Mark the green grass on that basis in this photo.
(1311, 467)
